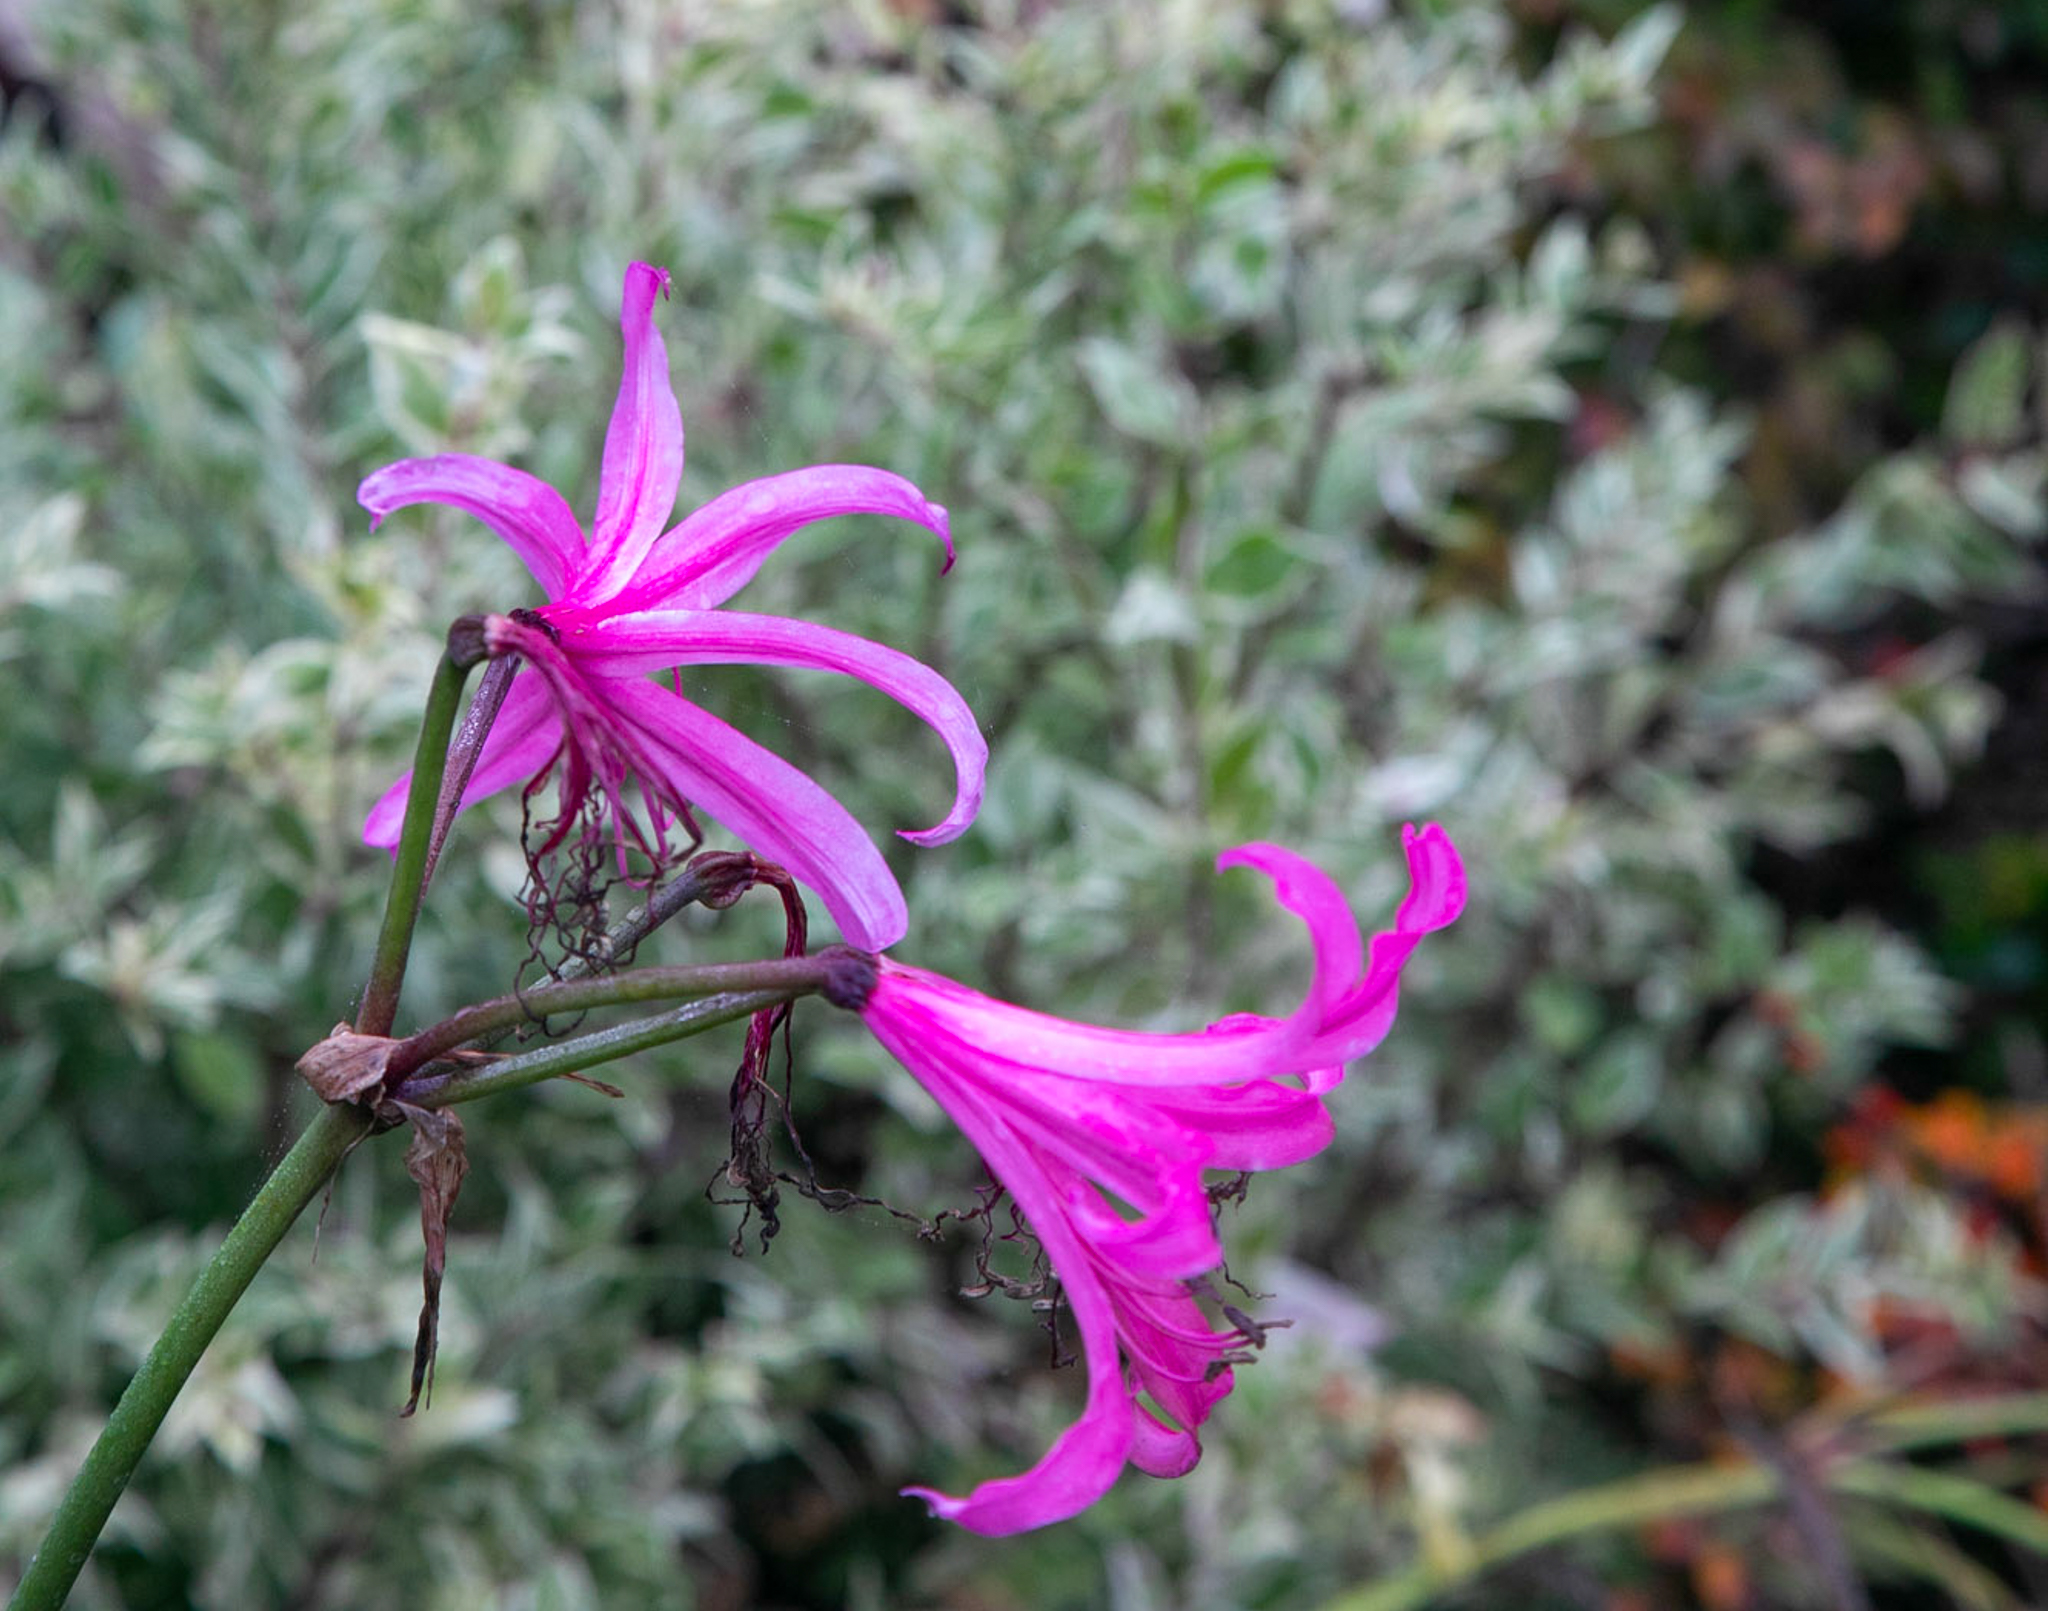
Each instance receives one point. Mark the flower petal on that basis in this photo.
(1123, 1056)
(534, 519)
(1261, 1125)
(643, 447)
(654, 640)
(1160, 1450)
(1313, 896)
(769, 805)
(1360, 1018)
(519, 746)
(714, 551)
(1085, 1460)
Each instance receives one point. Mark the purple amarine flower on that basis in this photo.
(1102, 1136)
(636, 595)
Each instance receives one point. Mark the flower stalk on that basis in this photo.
(586, 1051)
(298, 1179)
(731, 991)
(409, 867)
(785, 978)
(149, 1395)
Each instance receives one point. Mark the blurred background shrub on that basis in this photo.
(1616, 434)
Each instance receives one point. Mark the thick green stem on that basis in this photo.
(409, 867)
(291, 1186)
(791, 975)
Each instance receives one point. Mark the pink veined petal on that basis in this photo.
(1436, 894)
(714, 551)
(1176, 1356)
(1359, 1020)
(1343, 1017)
(1161, 1450)
(1085, 1460)
(643, 447)
(521, 742)
(772, 807)
(1313, 896)
(1108, 1132)
(534, 519)
(1120, 1056)
(654, 640)
(1177, 1242)
(1261, 1125)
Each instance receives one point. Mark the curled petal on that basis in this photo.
(654, 640)
(1121, 1056)
(770, 806)
(1344, 1016)
(1313, 896)
(1085, 1459)
(1160, 1450)
(714, 551)
(1174, 1242)
(534, 519)
(1436, 894)
(521, 742)
(1260, 1125)
(643, 447)
(1358, 1020)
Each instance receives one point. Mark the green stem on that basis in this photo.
(794, 975)
(1913, 1426)
(292, 1185)
(586, 1051)
(1675, 1491)
(1706, 1489)
(1944, 1494)
(409, 868)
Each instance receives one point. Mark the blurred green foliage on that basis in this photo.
(1335, 435)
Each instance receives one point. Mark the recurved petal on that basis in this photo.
(1260, 1125)
(521, 743)
(1360, 1018)
(534, 519)
(1176, 1241)
(770, 806)
(1161, 1450)
(1086, 1459)
(714, 551)
(1313, 896)
(1120, 1056)
(654, 640)
(643, 447)
(1436, 893)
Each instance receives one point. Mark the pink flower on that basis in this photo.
(633, 597)
(1101, 1136)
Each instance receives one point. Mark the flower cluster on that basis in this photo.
(1102, 1137)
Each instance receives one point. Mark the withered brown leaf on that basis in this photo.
(437, 1161)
